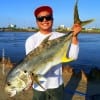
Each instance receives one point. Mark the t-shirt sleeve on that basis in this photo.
(73, 51)
(28, 46)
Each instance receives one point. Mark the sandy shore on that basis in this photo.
(76, 87)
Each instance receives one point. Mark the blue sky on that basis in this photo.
(20, 12)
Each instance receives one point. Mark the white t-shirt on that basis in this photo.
(54, 76)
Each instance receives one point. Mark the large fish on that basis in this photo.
(39, 61)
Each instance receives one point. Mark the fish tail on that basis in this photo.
(77, 19)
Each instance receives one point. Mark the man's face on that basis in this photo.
(44, 21)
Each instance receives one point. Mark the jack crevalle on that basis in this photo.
(39, 61)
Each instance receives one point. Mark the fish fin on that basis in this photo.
(86, 22)
(66, 59)
(46, 39)
(77, 19)
(76, 14)
(38, 82)
(35, 79)
(41, 78)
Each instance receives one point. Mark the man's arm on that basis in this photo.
(76, 29)
(74, 49)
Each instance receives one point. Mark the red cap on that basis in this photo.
(43, 8)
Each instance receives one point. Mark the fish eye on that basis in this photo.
(25, 71)
(8, 83)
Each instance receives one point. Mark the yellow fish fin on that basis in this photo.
(66, 59)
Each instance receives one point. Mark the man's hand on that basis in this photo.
(76, 29)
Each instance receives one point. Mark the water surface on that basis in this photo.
(14, 45)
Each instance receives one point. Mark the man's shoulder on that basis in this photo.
(56, 35)
(32, 37)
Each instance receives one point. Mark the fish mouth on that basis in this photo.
(12, 93)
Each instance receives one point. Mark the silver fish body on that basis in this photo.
(37, 63)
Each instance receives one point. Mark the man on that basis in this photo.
(54, 85)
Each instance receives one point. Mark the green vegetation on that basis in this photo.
(59, 29)
(84, 30)
(12, 29)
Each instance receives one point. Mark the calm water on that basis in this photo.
(89, 55)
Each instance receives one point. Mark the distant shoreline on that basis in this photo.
(35, 30)
(18, 30)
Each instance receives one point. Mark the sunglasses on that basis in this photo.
(47, 18)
